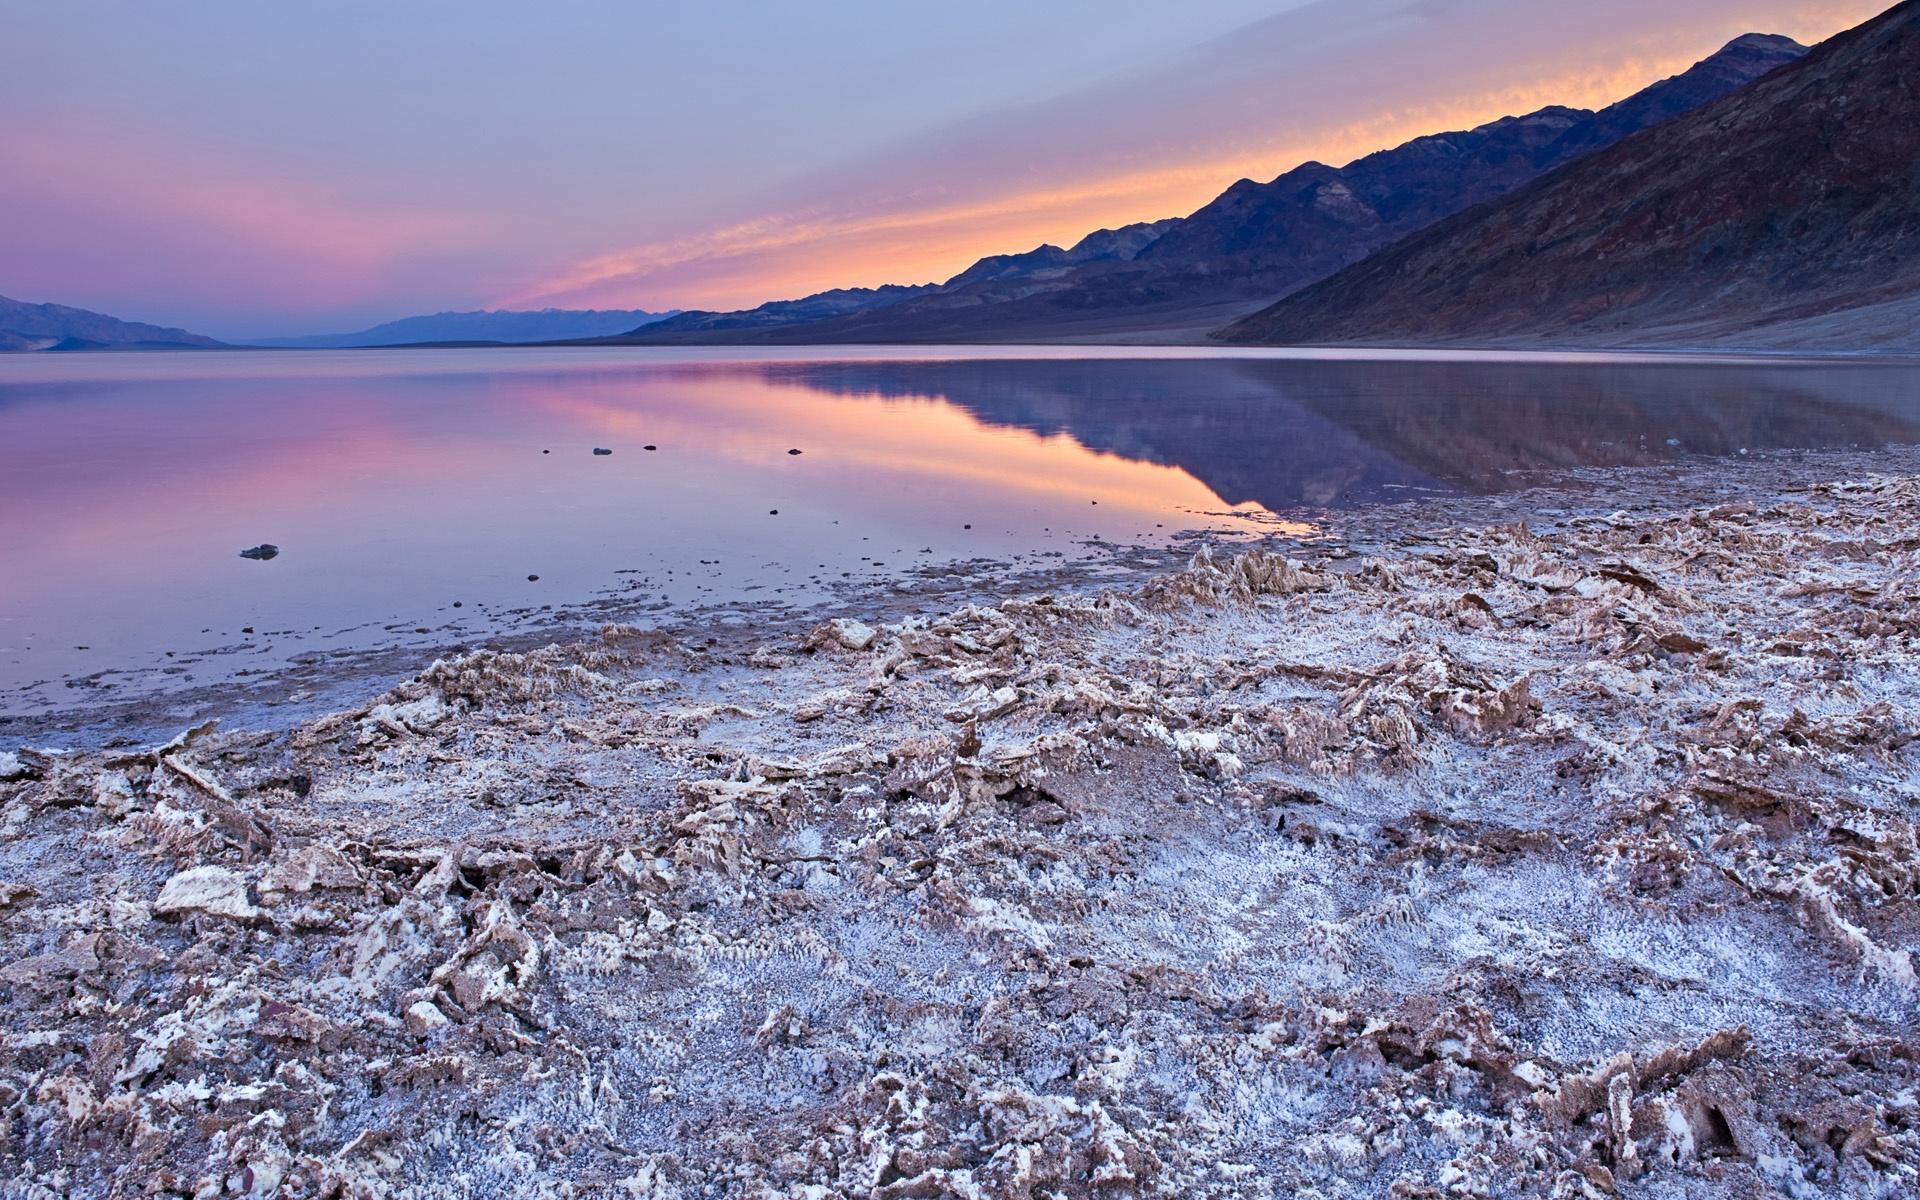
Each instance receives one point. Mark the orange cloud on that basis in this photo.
(932, 234)
(751, 261)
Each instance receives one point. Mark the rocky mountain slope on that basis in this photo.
(1788, 202)
(542, 325)
(699, 325)
(996, 272)
(1256, 241)
(26, 327)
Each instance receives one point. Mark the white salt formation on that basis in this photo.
(1508, 865)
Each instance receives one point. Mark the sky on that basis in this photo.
(253, 170)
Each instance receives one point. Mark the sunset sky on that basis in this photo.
(246, 169)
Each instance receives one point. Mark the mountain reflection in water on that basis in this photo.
(1320, 433)
(399, 482)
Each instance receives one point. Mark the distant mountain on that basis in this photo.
(772, 321)
(1784, 205)
(1101, 246)
(27, 327)
(698, 325)
(1739, 63)
(544, 325)
(1256, 241)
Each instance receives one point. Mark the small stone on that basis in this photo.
(262, 552)
(983, 705)
(212, 890)
(793, 452)
(601, 450)
(471, 987)
(843, 632)
(533, 579)
(81, 958)
(649, 447)
(773, 512)
(1044, 814)
(423, 1017)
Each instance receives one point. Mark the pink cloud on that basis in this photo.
(117, 219)
(1330, 82)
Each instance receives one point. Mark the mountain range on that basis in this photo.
(27, 327)
(503, 326)
(699, 326)
(1253, 243)
(1786, 213)
(1769, 195)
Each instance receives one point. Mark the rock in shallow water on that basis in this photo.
(262, 552)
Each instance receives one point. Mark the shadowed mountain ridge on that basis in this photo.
(1251, 244)
(1784, 205)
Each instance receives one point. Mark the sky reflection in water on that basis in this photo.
(399, 482)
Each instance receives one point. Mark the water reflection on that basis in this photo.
(1286, 434)
(399, 482)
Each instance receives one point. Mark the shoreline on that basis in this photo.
(1149, 341)
(1549, 859)
(320, 679)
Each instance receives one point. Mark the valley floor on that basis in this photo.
(1496, 863)
(1889, 330)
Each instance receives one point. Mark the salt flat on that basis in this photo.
(1491, 863)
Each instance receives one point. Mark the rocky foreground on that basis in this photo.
(1508, 864)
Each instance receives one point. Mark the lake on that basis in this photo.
(414, 494)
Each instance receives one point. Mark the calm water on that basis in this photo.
(399, 482)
